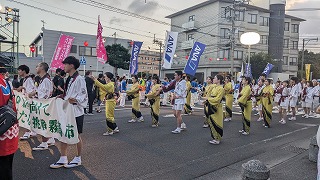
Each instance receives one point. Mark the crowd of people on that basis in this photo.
(216, 96)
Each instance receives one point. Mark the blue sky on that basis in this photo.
(31, 18)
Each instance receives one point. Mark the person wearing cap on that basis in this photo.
(134, 94)
(245, 104)
(267, 103)
(316, 94)
(76, 94)
(107, 92)
(9, 140)
(43, 91)
(187, 106)
(284, 101)
(154, 99)
(228, 98)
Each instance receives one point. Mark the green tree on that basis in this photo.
(118, 57)
(258, 63)
(310, 58)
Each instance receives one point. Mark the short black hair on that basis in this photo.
(58, 70)
(45, 66)
(3, 70)
(220, 78)
(24, 68)
(72, 60)
(135, 76)
(156, 77)
(179, 73)
(248, 79)
(264, 75)
(88, 73)
(100, 76)
(15, 76)
(193, 79)
(109, 75)
(32, 76)
(62, 73)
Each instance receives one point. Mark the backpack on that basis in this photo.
(8, 116)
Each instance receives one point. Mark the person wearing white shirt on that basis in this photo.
(293, 96)
(43, 91)
(77, 95)
(307, 98)
(316, 94)
(26, 88)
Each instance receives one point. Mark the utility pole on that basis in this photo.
(155, 41)
(304, 43)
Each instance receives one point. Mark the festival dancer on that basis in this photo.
(316, 92)
(307, 98)
(228, 98)
(267, 100)
(284, 101)
(245, 104)
(215, 110)
(206, 94)
(133, 94)
(154, 99)
(293, 97)
(187, 106)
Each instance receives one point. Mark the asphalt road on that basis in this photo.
(142, 152)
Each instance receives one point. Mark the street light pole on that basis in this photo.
(304, 43)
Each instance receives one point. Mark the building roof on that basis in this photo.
(227, 1)
(37, 39)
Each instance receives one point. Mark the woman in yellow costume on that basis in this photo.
(267, 100)
(245, 104)
(229, 98)
(133, 94)
(107, 91)
(187, 107)
(154, 99)
(207, 90)
(215, 110)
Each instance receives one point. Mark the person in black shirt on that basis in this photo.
(15, 82)
(55, 81)
(60, 85)
(91, 93)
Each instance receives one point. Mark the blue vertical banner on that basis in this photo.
(248, 70)
(194, 58)
(268, 69)
(136, 47)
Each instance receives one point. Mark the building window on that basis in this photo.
(253, 18)
(294, 44)
(224, 54)
(286, 26)
(239, 15)
(238, 55)
(285, 60)
(73, 49)
(192, 18)
(190, 37)
(225, 12)
(286, 43)
(224, 33)
(265, 21)
(239, 34)
(295, 28)
(264, 39)
(87, 51)
(293, 61)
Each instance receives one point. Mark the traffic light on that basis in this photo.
(32, 49)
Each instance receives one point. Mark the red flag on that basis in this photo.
(101, 50)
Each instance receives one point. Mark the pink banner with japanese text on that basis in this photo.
(62, 51)
(101, 50)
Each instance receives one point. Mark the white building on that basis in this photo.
(48, 39)
(208, 23)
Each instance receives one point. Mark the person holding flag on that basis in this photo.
(267, 103)
(215, 110)
(154, 100)
(187, 106)
(245, 104)
(228, 98)
(134, 95)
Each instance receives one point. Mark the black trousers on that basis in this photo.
(6, 167)
(91, 98)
